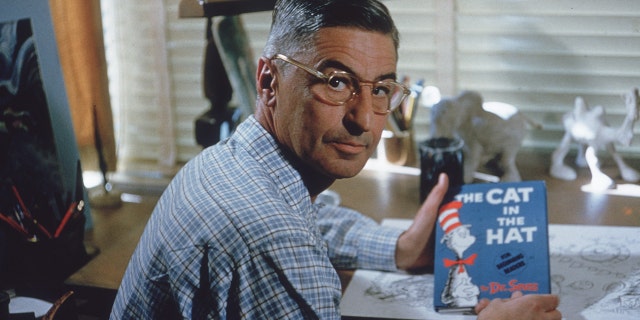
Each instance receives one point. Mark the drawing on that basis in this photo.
(604, 253)
(410, 291)
(581, 285)
(395, 295)
(459, 291)
(596, 272)
(623, 302)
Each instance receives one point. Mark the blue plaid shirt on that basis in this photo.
(235, 235)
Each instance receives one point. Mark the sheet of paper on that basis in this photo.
(27, 304)
(594, 269)
(391, 295)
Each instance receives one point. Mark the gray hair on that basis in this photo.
(295, 23)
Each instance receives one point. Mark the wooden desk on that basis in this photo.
(384, 194)
(377, 193)
(115, 234)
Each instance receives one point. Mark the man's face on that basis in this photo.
(334, 140)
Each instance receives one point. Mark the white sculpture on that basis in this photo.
(588, 127)
(492, 132)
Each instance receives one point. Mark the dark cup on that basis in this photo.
(438, 155)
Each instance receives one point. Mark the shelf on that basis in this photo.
(211, 8)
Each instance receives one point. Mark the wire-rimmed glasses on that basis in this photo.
(340, 87)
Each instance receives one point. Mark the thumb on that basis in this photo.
(425, 217)
(413, 248)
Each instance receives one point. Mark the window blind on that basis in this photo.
(540, 55)
(535, 54)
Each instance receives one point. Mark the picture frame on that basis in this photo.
(43, 204)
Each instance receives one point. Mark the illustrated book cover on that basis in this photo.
(491, 240)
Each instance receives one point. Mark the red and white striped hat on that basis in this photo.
(448, 216)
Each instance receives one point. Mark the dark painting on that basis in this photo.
(42, 210)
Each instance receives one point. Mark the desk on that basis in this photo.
(378, 193)
(115, 234)
(384, 193)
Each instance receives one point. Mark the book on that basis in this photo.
(491, 240)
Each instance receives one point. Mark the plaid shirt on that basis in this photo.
(235, 235)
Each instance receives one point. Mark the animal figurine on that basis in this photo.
(492, 132)
(588, 127)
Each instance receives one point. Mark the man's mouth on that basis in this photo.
(351, 148)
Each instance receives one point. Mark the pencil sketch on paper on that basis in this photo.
(623, 300)
(391, 295)
(415, 291)
(596, 272)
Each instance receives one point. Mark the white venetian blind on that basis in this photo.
(536, 54)
(540, 55)
(141, 83)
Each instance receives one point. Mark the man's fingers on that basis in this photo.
(544, 302)
(551, 302)
(483, 303)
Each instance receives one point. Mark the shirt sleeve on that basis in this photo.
(355, 241)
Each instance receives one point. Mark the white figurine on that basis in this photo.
(588, 127)
(491, 131)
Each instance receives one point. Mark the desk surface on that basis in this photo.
(384, 194)
(116, 233)
(378, 193)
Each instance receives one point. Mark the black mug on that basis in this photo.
(438, 155)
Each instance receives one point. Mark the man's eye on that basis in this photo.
(381, 91)
(340, 83)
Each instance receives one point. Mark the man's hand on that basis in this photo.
(519, 306)
(415, 246)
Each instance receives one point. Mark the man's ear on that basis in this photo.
(266, 82)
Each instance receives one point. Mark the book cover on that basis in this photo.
(491, 240)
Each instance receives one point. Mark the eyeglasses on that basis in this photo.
(341, 87)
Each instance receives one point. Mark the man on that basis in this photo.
(237, 234)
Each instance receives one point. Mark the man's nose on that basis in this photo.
(361, 108)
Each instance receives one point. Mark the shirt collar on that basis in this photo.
(262, 146)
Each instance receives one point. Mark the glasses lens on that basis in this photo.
(382, 93)
(387, 96)
(397, 95)
(340, 87)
